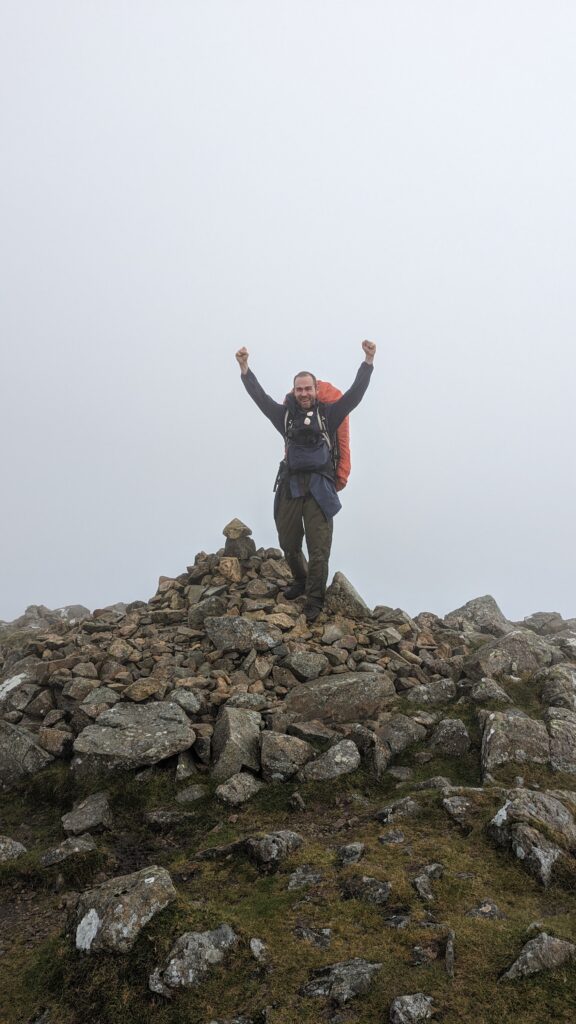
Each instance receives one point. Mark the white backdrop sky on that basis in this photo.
(182, 178)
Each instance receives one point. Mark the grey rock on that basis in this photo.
(512, 737)
(365, 888)
(543, 953)
(488, 690)
(208, 607)
(450, 738)
(559, 686)
(487, 910)
(518, 824)
(90, 814)
(411, 1009)
(235, 742)
(185, 767)
(394, 837)
(349, 854)
(342, 597)
(238, 789)
(188, 699)
(259, 950)
(480, 615)
(405, 808)
(191, 794)
(19, 754)
(74, 846)
(236, 633)
(518, 652)
(304, 877)
(375, 753)
(437, 691)
(164, 820)
(347, 697)
(282, 756)
(400, 732)
(342, 981)
(111, 916)
(341, 759)
(269, 851)
(306, 664)
(459, 808)
(130, 735)
(562, 731)
(10, 849)
(190, 959)
(320, 937)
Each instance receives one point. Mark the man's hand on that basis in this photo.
(242, 357)
(369, 351)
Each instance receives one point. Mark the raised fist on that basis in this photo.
(242, 357)
(369, 350)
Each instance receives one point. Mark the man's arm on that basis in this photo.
(273, 410)
(338, 411)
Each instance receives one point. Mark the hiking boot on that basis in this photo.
(312, 611)
(295, 590)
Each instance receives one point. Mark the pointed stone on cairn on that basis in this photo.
(239, 543)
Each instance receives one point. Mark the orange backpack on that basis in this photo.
(329, 393)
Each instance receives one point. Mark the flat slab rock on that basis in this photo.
(543, 953)
(20, 755)
(341, 759)
(131, 735)
(191, 958)
(348, 697)
(342, 981)
(235, 742)
(74, 846)
(111, 916)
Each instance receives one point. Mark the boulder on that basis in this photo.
(411, 1009)
(19, 754)
(342, 981)
(347, 697)
(527, 824)
(512, 736)
(488, 690)
(238, 789)
(544, 953)
(191, 958)
(235, 742)
(306, 664)
(88, 815)
(341, 759)
(10, 849)
(236, 633)
(201, 610)
(400, 732)
(450, 738)
(437, 691)
(131, 735)
(365, 888)
(520, 651)
(481, 615)
(282, 756)
(75, 846)
(559, 686)
(111, 916)
(269, 851)
(341, 597)
(562, 731)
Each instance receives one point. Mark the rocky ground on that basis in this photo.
(213, 812)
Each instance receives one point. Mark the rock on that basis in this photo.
(88, 815)
(320, 937)
(487, 911)
(450, 738)
(342, 597)
(208, 607)
(75, 846)
(422, 881)
(191, 958)
(142, 689)
(517, 825)
(306, 664)
(269, 851)
(131, 735)
(191, 794)
(259, 950)
(375, 754)
(543, 953)
(163, 820)
(229, 567)
(185, 767)
(459, 808)
(312, 731)
(57, 742)
(235, 742)
(559, 689)
(348, 697)
(404, 808)
(341, 759)
(482, 615)
(562, 731)
(518, 652)
(367, 889)
(111, 916)
(342, 981)
(400, 732)
(510, 736)
(236, 529)
(282, 756)
(411, 1009)
(236, 633)
(488, 690)
(238, 789)
(10, 849)
(304, 878)
(349, 854)
(19, 754)
(437, 691)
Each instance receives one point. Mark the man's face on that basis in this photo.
(305, 391)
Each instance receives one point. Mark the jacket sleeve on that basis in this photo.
(274, 411)
(338, 411)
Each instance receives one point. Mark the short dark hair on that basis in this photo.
(305, 373)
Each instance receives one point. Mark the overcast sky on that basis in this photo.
(182, 178)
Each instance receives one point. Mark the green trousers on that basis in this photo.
(296, 519)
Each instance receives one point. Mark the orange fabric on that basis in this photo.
(329, 393)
